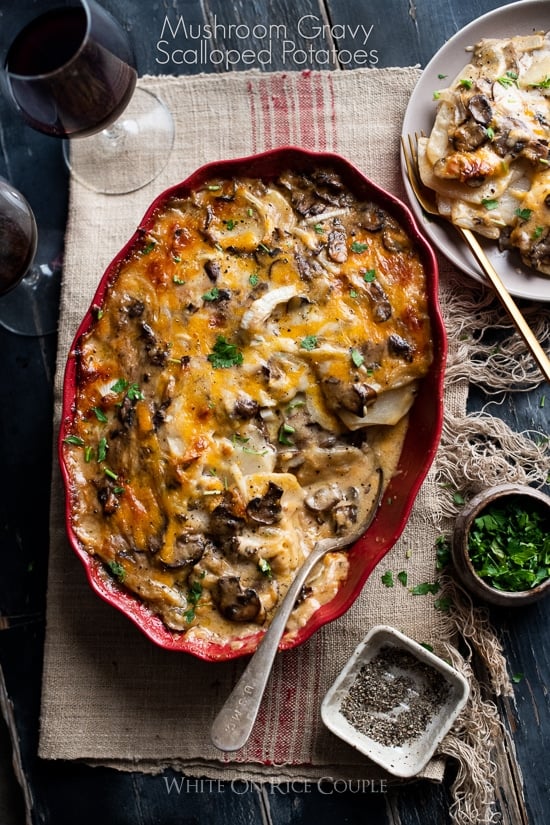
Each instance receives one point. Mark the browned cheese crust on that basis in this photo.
(252, 364)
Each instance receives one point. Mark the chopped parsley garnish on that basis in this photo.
(369, 276)
(524, 214)
(74, 440)
(102, 448)
(319, 228)
(387, 578)
(357, 246)
(149, 247)
(543, 84)
(425, 588)
(509, 79)
(265, 568)
(100, 415)
(194, 593)
(119, 385)
(466, 83)
(178, 281)
(212, 294)
(509, 546)
(230, 224)
(517, 677)
(537, 232)
(490, 203)
(490, 132)
(224, 354)
(356, 357)
(441, 76)
(117, 571)
(442, 552)
(309, 342)
(254, 279)
(403, 577)
(134, 393)
(286, 430)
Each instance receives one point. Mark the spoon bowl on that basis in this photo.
(235, 721)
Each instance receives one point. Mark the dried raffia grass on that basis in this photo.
(470, 745)
(479, 450)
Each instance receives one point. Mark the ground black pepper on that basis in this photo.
(393, 697)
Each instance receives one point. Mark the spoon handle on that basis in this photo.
(235, 721)
(233, 724)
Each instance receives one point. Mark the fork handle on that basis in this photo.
(508, 303)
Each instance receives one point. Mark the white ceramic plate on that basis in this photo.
(517, 18)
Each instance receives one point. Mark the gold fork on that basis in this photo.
(426, 199)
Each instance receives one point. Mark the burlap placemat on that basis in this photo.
(109, 695)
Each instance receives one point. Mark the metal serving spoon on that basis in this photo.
(233, 724)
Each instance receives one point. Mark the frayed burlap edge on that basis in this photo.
(480, 450)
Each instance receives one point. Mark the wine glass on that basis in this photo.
(28, 293)
(69, 69)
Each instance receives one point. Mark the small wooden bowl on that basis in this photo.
(464, 568)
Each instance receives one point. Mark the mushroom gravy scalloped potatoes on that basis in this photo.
(488, 154)
(250, 368)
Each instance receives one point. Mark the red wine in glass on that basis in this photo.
(69, 69)
(29, 293)
(61, 101)
(17, 237)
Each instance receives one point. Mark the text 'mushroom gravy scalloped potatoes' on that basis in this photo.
(488, 155)
(251, 366)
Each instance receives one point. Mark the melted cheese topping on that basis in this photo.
(251, 367)
(488, 154)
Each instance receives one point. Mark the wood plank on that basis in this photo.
(416, 29)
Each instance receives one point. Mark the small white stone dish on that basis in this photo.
(402, 704)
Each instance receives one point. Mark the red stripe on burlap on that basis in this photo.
(295, 108)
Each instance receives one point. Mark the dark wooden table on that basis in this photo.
(403, 33)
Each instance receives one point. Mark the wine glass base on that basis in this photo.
(32, 307)
(129, 154)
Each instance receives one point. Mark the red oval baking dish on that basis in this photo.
(418, 451)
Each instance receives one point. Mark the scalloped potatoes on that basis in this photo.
(251, 366)
(488, 156)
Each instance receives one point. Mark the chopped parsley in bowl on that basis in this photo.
(501, 545)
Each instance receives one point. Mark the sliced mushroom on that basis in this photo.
(245, 407)
(126, 412)
(135, 308)
(353, 397)
(380, 302)
(373, 218)
(469, 136)
(480, 109)
(188, 549)
(108, 499)
(267, 508)
(212, 269)
(337, 247)
(324, 497)
(399, 347)
(223, 522)
(344, 516)
(234, 602)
